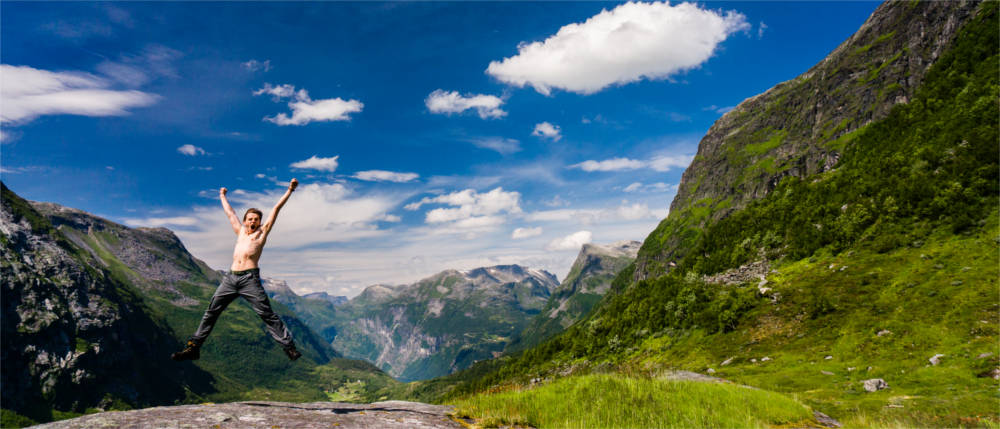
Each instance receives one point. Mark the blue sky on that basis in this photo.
(426, 135)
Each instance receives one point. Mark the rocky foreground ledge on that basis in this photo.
(260, 414)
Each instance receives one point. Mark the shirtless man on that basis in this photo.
(243, 280)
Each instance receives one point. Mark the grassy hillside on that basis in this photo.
(604, 401)
(878, 265)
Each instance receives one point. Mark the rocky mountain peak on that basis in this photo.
(380, 292)
(510, 274)
(279, 287)
(325, 297)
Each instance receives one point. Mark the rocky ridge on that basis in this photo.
(588, 280)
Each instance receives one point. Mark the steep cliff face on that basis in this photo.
(799, 127)
(442, 323)
(74, 335)
(588, 280)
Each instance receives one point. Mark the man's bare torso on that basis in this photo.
(249, 246)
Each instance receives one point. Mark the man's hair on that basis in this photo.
(252, 210)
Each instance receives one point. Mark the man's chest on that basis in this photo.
(250, 240)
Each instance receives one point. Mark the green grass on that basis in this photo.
(11, 419)
(611, 401)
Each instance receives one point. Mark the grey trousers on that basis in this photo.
(247, 285)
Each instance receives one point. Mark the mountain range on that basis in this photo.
(833, 241)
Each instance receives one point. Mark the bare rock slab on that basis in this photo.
(263, 414)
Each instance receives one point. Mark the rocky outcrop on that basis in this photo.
(589, 279)
(443, 323)
(75, 336)
(267, 415)
(799, 127)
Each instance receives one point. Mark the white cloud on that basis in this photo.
(760, 29)
(385, 176)
(520, 233)
(502, 145)
(631, 42)
(254, 65)
(614, 164)
(570, 242)
(665, 163)
(28, 93)
(278, 92)
(470, 209)
(305, 109)
(660, 163)
(316, 163)
(547, 130)
(191, 150)
(487, 106)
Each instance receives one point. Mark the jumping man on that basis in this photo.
(243, 280)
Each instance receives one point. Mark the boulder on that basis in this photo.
(875, 384)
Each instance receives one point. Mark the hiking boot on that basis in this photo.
(292, 353)
(192, 351)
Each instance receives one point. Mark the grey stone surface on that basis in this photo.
(875, 384)
(263, 414)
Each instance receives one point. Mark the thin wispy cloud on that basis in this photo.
(305, 109)
(385, 176)
(547, 130)
(631, 42)
(660, 163)
(624, 212)
(505, 146)
(445, 102)
(717, 109)
(254, 65)
(314, 162)
(613, 164)
(639, 187)
(28, 93)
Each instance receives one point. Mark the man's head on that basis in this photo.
(251, 219)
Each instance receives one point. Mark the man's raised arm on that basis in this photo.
(273, 216)
(235, 221)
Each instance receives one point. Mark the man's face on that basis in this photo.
(252, 222)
